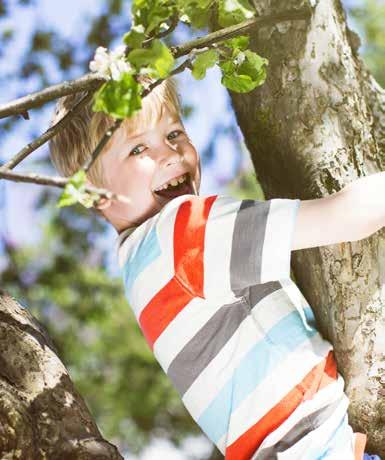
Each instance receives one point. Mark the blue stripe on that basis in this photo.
(310, 318)
(257, 364)
(147, 251)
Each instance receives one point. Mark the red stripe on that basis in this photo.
(162, 309)
(246, 445)
(189, 238)
(188, 280)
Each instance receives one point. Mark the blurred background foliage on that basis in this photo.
(63, 279)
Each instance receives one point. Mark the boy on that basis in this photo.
(208, 278)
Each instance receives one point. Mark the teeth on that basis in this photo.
(173, 182)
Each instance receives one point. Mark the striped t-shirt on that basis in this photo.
(208, 279)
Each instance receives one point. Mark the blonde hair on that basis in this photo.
(73, 144)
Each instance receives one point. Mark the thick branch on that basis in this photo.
(37, 396)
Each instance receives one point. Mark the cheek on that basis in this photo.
(135, 177)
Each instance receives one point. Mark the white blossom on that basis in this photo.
(240, 57)
(110, 64)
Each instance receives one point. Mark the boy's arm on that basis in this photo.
(355, 212)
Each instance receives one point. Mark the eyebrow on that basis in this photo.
(135, 135)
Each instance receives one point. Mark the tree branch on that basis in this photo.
(59, 182)
(42, 396)
(89, 81)
(239, 29)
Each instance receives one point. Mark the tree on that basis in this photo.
(267, 120)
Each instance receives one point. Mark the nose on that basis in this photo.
(168, 154)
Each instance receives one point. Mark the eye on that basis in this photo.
(178, 131)
(135, 150)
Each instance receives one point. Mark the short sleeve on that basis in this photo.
(248, 242)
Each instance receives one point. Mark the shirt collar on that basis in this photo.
(123, 235)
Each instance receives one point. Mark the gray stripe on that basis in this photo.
(299, 430)
(206, 344)
(247, 244)
(260, 291)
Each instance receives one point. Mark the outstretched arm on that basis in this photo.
(355, 212)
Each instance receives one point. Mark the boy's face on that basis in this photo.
(137, 165)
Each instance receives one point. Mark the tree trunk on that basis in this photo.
(317, 124)
(41, 414)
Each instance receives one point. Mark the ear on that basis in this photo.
(103, 203)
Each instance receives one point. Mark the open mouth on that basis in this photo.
(182, 188)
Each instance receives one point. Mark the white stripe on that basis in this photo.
(276, 250)
(217, 251)
(271, 309)
(277, 385)
(182, 329)
(221, 368)
(297, 298)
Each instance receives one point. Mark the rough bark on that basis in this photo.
(316, 124)
(42, 416)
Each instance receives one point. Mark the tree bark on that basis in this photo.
(42, 416)
(316, 124)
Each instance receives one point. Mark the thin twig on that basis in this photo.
(61, 182)
(174, 22)
(107, 136)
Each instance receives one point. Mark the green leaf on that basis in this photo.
(243, 75)
(195, 12)
(152, 13)
(74, 192)
(237, 43)
(253, 65)
(203, 61)
(238, 83)
(158, 57)
(68, 197)
(232, 12)
(119, 98)
(78, 179)
(135, 37)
